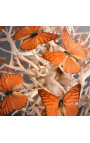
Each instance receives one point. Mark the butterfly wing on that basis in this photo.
(3, 85)
(55, 57)
(70, 65)
(13, 81)
(29, 44)
(41, 38)
(72, 96)
(75, 49)
(12, 102)
(70, 110)
(51, 102)
(46, 37)
(25, 32)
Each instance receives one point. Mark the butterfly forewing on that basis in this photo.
(55, 57)
(75, 49)
(72, 93)
(46, 37)
(68, 41)
(13, 81)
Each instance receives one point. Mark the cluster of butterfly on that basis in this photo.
(9, 84)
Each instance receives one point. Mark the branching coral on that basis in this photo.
(41, 73)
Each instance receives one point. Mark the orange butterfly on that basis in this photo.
(32, 38)
(13, 99)
(69, 57)
(1, 27)
(65, 106)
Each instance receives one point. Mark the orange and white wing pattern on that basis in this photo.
(73, 48)
(71, 97)
(51, 102)
(55, 57)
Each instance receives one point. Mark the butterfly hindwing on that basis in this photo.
(70, 110)
(70, 65)
(29, 44)
(21, 99)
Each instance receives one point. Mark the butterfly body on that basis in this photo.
(63, 107)
(68, 54)
(9, 92)
(61, 104)
(33, 35)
